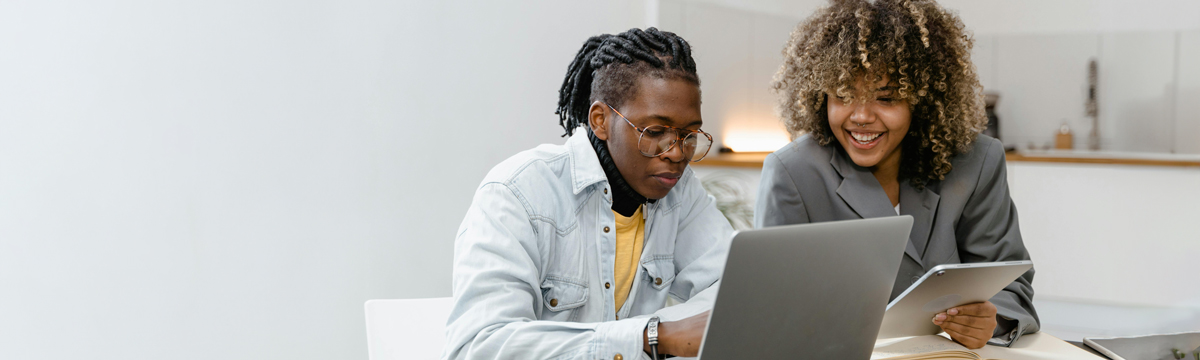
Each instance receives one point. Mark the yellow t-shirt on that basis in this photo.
(630, 232)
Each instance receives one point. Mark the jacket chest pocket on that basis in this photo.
(660, 271)
(560, 296)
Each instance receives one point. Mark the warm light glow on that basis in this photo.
(754, 141)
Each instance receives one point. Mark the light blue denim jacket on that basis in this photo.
(533, 254)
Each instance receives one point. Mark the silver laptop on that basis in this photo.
(812, 291)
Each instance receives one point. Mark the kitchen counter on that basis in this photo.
(1106, 157)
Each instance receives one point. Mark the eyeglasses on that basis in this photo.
(655, 140)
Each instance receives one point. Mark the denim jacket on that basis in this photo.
(535, 252)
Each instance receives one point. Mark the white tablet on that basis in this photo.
(943, 287)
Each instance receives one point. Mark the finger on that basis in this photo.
(966, 340)
(982, 309)
(940, 323)
(957, 336)
(963, 329)
(969, 321)
(961, 312)
(939, 318)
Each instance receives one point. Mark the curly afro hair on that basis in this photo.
(921, 47)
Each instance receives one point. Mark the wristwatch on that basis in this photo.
(652, 336)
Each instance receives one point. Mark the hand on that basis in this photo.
(679, 338)
(970, 325)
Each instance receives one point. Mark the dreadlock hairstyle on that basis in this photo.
(923, 48)
(607, 69)
(608, 66)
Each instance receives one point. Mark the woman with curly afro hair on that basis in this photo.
(886, 110)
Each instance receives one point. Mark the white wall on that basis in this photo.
(1145, 88)
(1042, 81)
(232, 179)
(1035, 53)
(1137, 83)
(1187, 105)
(1067, 16)
(1025, 16)
(737, 53)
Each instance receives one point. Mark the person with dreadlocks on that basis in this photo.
(887, 112)
(572, 251)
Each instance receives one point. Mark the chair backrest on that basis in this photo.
(407, 328)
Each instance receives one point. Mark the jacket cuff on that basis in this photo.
(1007, 331)
(622, 337)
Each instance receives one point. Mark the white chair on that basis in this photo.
(407, 328)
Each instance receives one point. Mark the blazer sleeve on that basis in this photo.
(988, 231)
(779, 201)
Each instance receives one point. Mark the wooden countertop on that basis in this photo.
(742, 159)
(755, 159)
(1105, 157)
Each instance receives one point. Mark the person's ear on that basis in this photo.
(598, 120)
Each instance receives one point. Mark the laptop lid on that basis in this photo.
(810, 291)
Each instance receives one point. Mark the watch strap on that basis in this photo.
(652, 330)
(652, 336)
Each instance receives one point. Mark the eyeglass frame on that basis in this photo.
(642, 131)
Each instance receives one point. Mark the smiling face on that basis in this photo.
(871, 124)
(669, 102)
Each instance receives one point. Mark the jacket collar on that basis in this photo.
(585, 165)
(586, 171)
(863, 193)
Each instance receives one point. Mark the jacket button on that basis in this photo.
(607, 285)
(605, 190)
(553, 302)
(618, 357)
(657, 281)
(605, 229)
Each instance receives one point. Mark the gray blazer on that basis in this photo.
(968, 217)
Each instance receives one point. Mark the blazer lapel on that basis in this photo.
(862, 192)
(922, 205)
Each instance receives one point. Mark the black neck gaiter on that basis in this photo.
(625, 200)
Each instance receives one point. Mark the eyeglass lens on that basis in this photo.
(656, 140)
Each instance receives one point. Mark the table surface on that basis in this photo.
(1089, 349)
